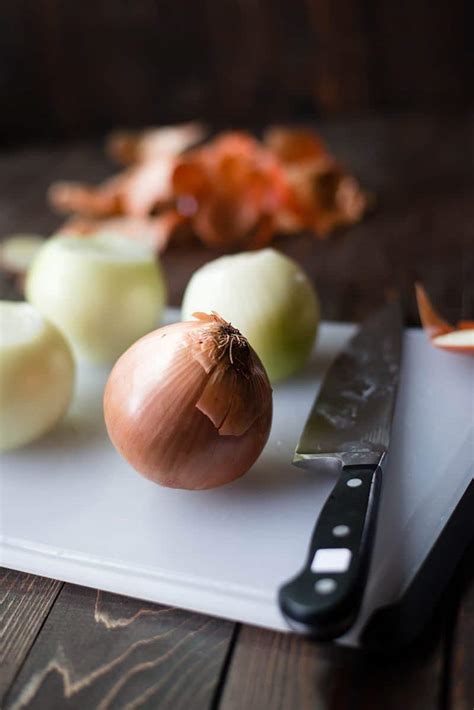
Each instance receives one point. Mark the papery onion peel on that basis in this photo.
(234, 191)
(189, 405)
(459, 339)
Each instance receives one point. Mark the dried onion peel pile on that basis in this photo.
(189, 405)
(229, 191)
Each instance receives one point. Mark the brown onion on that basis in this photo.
(189, 405)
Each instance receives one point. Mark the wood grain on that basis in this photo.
(415, 71)
(284, 672)
(341, 56)
(25, 601)
(100, 650)
(70, 72)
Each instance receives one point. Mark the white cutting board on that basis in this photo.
(72, 509)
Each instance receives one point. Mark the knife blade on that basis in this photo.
(347, 432)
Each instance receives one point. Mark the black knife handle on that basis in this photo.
(323, 600)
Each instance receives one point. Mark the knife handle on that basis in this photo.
(323, 600)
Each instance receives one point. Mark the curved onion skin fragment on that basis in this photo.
(183, 415)
(36, 375)
(295, 145)
(459, 339)
(268, 297)
(236, 185)
(322, 196)
(103, 292)
(153, 143)
(98, 201)
(432, 322)
(148, 187)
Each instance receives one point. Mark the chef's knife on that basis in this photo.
(347, 432)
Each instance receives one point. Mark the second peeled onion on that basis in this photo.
(268, 297)
(189, 405)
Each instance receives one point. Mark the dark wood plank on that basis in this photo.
(431, 58)
(135, 64)
(25, 176)
(461, 685)
(341, 61)
(283, 672)
(25, 601)
(99, 650)
(161, 61)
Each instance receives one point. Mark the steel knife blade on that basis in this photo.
(347, 431)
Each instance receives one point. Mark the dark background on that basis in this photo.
(71, 69)
(387, 83)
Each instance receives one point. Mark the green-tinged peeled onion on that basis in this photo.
(103, 292)
(36, 375)
(268, 297)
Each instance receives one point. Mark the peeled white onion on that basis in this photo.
(36, 375)
(268, 297)
(103, 292)
(189, 405)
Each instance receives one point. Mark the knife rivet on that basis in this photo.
(341, 530)
(325, 585)
(354, 482)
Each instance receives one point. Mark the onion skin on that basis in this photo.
(459, 341)
(153, 406)
(432, 322)
(443, 335)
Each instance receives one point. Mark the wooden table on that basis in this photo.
(62, 646)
